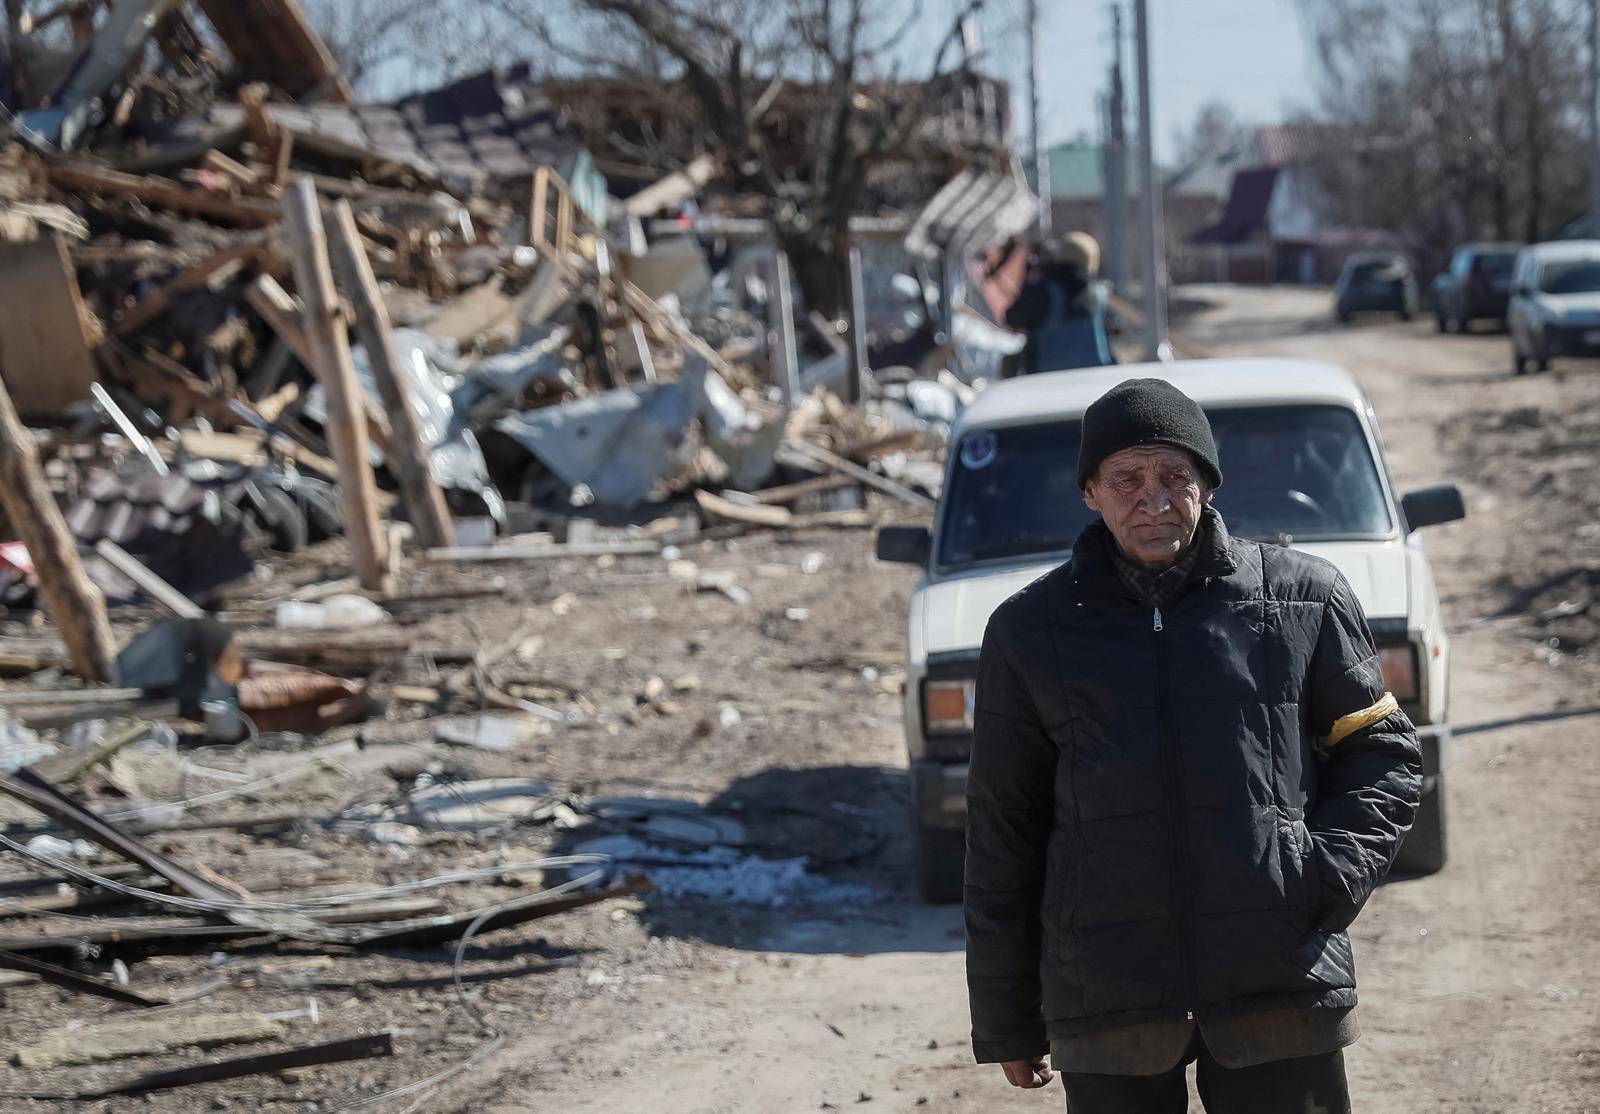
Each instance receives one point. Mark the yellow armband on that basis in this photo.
(1366, 717)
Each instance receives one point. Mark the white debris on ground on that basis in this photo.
(723, 874)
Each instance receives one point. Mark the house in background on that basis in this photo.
(1078, 203)
(1278, 224)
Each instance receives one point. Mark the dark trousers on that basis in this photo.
(1306, 1085)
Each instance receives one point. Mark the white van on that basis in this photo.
(1303, 465)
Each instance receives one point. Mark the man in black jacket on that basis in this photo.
(1186, 779)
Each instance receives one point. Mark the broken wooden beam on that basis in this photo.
(761, 514)
(542, 552)
(409, 454)
(235, 171)
(450, 926)
(39, 794)
(200, 273)
(818, 455)
(117, 1037)
(47, 334)
(72, 935)
(279, 309)
(74, 601)
(286, 315)
(158, 590)
(71, 980)
(333, 1052)
(788, 493)
(675, 188)
(161, 192)
(273, 41)
(347, 418)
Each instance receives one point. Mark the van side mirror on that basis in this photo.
(1432, 505)
(904, 545)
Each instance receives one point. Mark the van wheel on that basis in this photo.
(1423, 850)
(941, 855)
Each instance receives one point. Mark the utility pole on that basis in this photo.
(1155, 295)
(1594, 119)
(1115, 157)
(1041, 161)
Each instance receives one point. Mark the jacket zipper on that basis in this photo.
(1177, 817)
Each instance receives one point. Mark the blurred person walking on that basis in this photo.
(1062, 307)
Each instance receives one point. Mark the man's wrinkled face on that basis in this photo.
(1150, 497)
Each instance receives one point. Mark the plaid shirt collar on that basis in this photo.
(1159, 587)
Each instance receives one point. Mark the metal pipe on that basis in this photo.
(1155, 295)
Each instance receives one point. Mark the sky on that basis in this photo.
(1252, 55)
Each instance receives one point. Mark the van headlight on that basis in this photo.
(947, 706)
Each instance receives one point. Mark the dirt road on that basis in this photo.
(1479, 985)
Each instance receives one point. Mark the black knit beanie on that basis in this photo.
(1146, 412)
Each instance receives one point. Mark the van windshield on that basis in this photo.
(1300, 473)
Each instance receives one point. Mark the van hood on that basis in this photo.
(955, 611)
(1376, 571)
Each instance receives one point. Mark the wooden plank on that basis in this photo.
(280, 155)
(195, 275)
(46, 360)
(280, 310)
(473, 313)
(232, 169)
(89, 698)
(161, 192)
(788, 493)
(760, 515)
(121, 930)
(257, 124)
(272, 40)
(347, 418)
(543, 552)
(72, 598)
(409, 454)
(284, 313)
(164, 594)
(833, 460)
(674, 189)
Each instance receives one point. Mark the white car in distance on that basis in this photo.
(1302, 464)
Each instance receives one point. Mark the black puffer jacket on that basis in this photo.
(1154, 829)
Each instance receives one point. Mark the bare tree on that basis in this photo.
(1463, 113)
(831, 68)
(1216, 130)
(389, 47)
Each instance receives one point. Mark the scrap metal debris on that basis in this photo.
(299, 392)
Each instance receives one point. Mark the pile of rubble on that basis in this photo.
(286, 376)
(198, 267)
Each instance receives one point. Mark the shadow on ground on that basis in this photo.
(850, 825)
